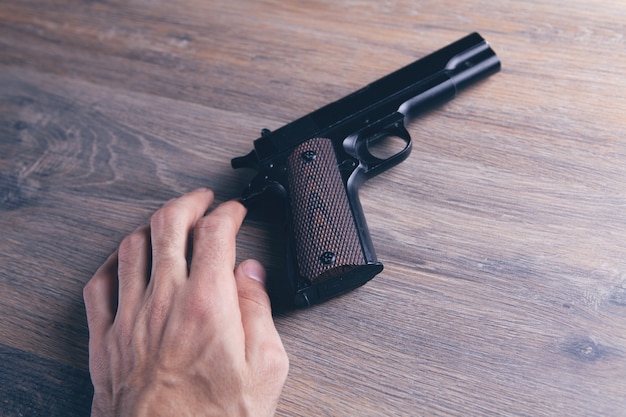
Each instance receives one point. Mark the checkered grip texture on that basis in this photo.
(326, 239)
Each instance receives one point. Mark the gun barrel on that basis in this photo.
(478, 62)
(455, 68)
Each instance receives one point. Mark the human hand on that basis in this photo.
(171, 339)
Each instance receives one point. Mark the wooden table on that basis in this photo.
(503, 235)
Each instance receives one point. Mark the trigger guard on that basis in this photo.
(373, 165)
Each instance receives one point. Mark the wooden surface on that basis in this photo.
(503, 235)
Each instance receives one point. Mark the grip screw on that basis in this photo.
(328, 258)
(308, 156)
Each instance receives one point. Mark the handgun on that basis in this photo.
(313, 167)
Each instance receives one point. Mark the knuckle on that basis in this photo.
(156, 310)
(215, 223)
(166, 219)
(196, 306)
(167, 231)
(94, 287)
(200, 308)
(88, 294)
(275, 359)
(131, 244)
(133, 256)
(226, 217)
(123, 326)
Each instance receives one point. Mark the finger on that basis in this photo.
(170, 227)
(213, 258)
(133, 272)
(100, 296)
(255, 307)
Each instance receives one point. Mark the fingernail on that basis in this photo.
(254, 270)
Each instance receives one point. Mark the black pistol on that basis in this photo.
(313, 167)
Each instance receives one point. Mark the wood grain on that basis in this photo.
(503, 235)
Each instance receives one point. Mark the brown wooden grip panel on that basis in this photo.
(326, 239)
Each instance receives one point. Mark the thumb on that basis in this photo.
(265, 353)
(254, 303)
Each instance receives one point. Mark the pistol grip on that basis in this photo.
(330, 243)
